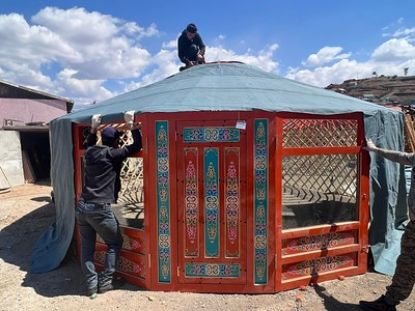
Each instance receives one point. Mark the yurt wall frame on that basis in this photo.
(216, 179)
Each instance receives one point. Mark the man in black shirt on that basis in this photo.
(191, 47)
(95, 216)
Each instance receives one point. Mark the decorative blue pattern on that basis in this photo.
(211, 172)
(210, 134)
(216, 270)
(163, 201)
(261, 201)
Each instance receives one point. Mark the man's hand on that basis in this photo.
(370, 145)
(95, 122)
(129, 118)
(200, 58)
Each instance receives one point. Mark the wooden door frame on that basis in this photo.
(362, 196)
(222, 146)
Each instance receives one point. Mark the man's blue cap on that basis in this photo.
(191, 28)
(110, 133)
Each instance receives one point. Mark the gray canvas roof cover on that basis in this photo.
(227, 87)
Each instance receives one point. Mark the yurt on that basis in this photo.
(246, 183)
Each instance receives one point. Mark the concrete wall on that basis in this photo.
(11, 165)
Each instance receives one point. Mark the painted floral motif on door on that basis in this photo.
(232, 202)
(211, 200)
(191, 203)
(317, 266)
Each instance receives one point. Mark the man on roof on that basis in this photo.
(191, 47)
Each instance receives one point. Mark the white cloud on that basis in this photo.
(32, 45)
(77, 25)
(388, 31)
(172, 44)
(263, 59)
(336, 73)
(23, 74)
(83, 92)
(165, 63)
(105, 42)
(77, 53)
(87, 49)
(404, 32)
(394, 50)
(74, 53)
(132, 28)
(81, 88)
(390, 58)
(326, 55)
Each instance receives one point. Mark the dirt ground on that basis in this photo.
(25, 212)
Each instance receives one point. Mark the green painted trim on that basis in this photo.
(211, 208)
(163, 201)
(261, 202)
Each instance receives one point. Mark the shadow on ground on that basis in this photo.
(331, 303)
(16, 243)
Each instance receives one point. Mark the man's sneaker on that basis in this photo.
(107, 286)
(379, 304)
(92, 292)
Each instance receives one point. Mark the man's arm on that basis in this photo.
(91, 139)
(181, 50)
(137, 144)
(120, 154)
(200, 44)
(404, 158)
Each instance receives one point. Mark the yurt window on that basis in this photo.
(319, 173)
(319, 189)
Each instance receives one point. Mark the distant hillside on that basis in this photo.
(382, 90)
(389, 91)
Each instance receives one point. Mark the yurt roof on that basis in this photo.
(228, 87)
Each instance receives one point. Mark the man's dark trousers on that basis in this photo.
(94, 218)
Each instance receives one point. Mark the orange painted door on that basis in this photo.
(211, 176)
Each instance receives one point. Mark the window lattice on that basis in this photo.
(321, 177)
(319, 132)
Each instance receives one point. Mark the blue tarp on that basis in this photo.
(235, 87)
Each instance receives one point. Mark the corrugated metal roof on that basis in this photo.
(42, 94)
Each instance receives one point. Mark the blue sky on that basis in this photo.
(93, 50)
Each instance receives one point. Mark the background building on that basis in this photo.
(24, 133)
